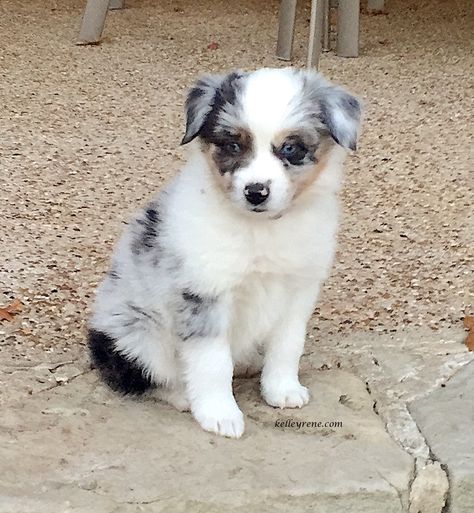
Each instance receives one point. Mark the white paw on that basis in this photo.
(222, 419)
(285, 394)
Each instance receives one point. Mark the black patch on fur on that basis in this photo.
(198, 103)
(225, 94)
(120, 373)
(192, 298)
(223, 139)
(195, 93)
(204, 102)
(147, 231)
(195, 316)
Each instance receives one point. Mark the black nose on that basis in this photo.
(256, 193)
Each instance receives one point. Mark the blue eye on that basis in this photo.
(292, 152)
(288, 150)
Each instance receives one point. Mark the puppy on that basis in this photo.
(222, 269)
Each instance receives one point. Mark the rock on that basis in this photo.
(446, 419)
(429, 489)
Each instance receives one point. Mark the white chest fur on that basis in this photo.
(223, 247)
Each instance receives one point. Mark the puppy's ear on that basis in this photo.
(341, 113)
(199, 103)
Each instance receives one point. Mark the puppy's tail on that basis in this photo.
(120, 373)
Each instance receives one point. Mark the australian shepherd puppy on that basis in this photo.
(221, 271)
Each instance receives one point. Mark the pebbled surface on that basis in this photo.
(90, 133)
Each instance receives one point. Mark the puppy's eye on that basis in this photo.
(233, 148)
(288, 150)
(293, 152)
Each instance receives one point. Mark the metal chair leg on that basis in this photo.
(348, 28)
(286, 29)
(116, 4)
(326, 26)
(93, 20)
(376, 5)
(315, 33)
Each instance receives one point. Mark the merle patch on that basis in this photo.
(206, 100)
(146, 230)
(196, 316)
(139, 314)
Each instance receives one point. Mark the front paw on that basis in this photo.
(285, 394)
(220, 418)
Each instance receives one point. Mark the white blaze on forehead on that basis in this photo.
(268, 98)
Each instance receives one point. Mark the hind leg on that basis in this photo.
(122, 374)
(133, 361)
(175, 396)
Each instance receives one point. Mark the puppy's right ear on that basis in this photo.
(199, 103)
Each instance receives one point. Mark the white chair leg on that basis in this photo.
(93, 21)
(315, 33)
(116, 4)
(286, 29)
(348, 28)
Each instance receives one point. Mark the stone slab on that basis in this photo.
(446, 419)
(78, 448)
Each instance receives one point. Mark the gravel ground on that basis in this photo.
(88, 134)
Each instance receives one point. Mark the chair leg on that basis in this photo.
(376, 5)
(315, 32)
(116, 4)
(286, 29)
(348, 28)
(326, 26)
(93, 21)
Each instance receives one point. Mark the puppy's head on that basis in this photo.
(268, 134)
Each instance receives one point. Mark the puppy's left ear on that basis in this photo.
(199, 103)
(340, 112)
